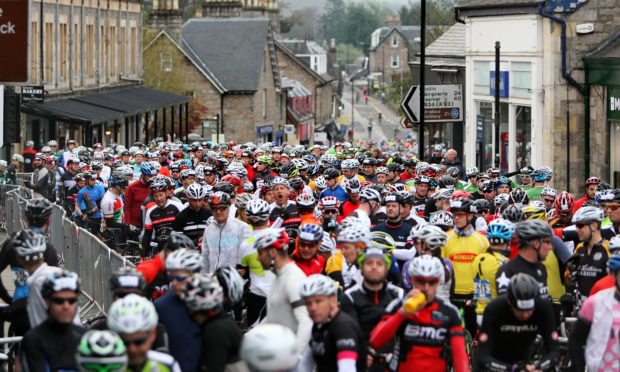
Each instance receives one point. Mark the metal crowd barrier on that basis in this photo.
(80, 251)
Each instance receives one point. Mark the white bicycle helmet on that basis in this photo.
(433, 236)
(279, 181)
(443, 194)
(442, 218)
(202, 293)
(501, 199)
(132, 314)
(355, 234)
(29, 245)
(382, 170)
(588, 214)
(186, 173)
(242, 200)
(370, 194)
(549, 191)
(318, 285)
(270, 347)
(350, 221)
(257, 211)
(183, 259)
(415, 232)
(320, 183)
(614, 244)
(426, 267)
(328, 244)
(421, 166)
(305, 200)
(473, 171)
(195, 191)
(232, 283)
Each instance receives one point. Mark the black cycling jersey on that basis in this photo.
(221, 340)
(521, 265)
(68, 181)
(290, 221)
(192, 223)
(429, 208)
(50, 346)
(399, 231)
(506, 341)
(591, 267)
(419, 204)
(70, 198)
(158, 220)
(339, 338)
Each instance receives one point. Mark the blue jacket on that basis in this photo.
(185, 336)
(338, 192)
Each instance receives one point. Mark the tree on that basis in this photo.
(349, 53)
(332, 18)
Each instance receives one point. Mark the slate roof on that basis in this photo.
(609, 48)
(408, 32)
(297, 89)
(232, 48)
(303, 47)
(450, 43)
(497, 3)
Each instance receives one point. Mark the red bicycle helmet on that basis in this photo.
(565, 203)
(232, 179)
(593, 181)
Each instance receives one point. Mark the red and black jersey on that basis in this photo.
(158, 219)
(290, 220)
(421, 337)
(420, 205)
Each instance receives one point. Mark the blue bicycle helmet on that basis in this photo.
(613, 264)
(148, 169)
(500, 231)
(310, 233)
(538, 175)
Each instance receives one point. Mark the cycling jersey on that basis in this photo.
(339, 345)
(534, 192)
(421, 337)
(521, 265)
(154, 273)
(192, 223)
(313, 265)
(221, 340)
(134, 197)
(290, 219)
(348, 207)
(358, 176)
(337, 192)
(112, 208)
(446, 285)
(68, 181)
(591, 266)
(419, 204)
(462, 248)
(96, 194)
(505, 341)
(485, 267)
(50, 346)
(344, 273)
(157, 361)
(260, 279)
(157, 219)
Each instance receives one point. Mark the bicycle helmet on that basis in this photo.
(296, 184)
(370, 194)
(533, 230)
(523, 291)
(501, 199)
(158, 186)
(273, 238)
(148, 168)
(423, 180)
(353, 186)
(443, 219)
(434, 237)
(132, 314)
(310, 233)
(462, 205)
(101, 351)
(513, 214)
(279, 181)
(493, 172)
(443, 194)
(232, 283)
(355, 234)
(329, 202)
(383, 240)
(184, 259)
(225, 188)
(453, 172)
(219, 198)
(534, 211)
(18, 157)
(29, 245)
(426, 267)
(593, 181)
(257, 211)
(538, 175)
(118, 179)
(518, 197)
(588, 214)
(242, 200)
(195, 191)
(38, 210)
(500, 231)
(548, 191)
(330, 174)
(305, 201)
(446, 182)
(350, 221)
(565, 203)
(320, 183)
(472, 172)
(202, 293)
(318, 285)
(61, 280)
(613, 263)
(270, 347)
(614, 244)
(177, 240)
(382, 170)
(327, 243)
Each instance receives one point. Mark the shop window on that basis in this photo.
(521, 79)
(481, 77)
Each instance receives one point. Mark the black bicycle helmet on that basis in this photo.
(225, 187)
(119, 179)
(330, 174)
(513, 214)
(462, 204)
(296, 184)
(482, 204)
(38, 211)
(533, 229)
(289, 170)
(127, 278)
(446, 182)
(522, 292)
(60, 281)
(519, 197)
(395, 167)
(178, 240)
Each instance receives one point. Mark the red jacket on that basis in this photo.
(314, 265)
(250, 170)
(134, 197)
(579, 203)
(348, 208)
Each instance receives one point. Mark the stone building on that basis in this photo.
(89, 66)
(243, 9)
(391, 47)
(553, 93)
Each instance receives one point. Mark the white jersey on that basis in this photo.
(112, 206)
(260, 279)
(36, 307)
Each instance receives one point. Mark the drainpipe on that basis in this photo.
(579, 88)
(456, 16)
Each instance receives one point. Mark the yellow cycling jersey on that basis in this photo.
(361, 178)
(334, 263)
(485, 267)
(461, 251)
(554, 277)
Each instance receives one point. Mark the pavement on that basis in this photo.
(363, 113)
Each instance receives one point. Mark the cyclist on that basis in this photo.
(394, 226)
(591, 184)
(608, 280)
(101, 351)
(192, 220)
(548, 196)
(510, 325)
(68, 181)
(394, 171)
(71, 195)
(284, 208)
(183, 334)
(350, 168)
(284, 304)
(381, 175)
(221, 337)
(87, 206)
(487, 263)
(343, 265)
(592, 254)
(422, 186)
(188, 177)
(270, 348)
(134, 318)
(158, 219)
(333, 188)
(424, 331)
(370, 202)
(222, 239)
(136, 193)
(337, 342)
(11, 170)
(538, 178)
(112, 202)
(153, 269)
(534, 247)
(353, 188)
(51, 345)
(305, 255)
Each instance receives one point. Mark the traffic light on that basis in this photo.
(340, 105)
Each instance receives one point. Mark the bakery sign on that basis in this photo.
(14, 37)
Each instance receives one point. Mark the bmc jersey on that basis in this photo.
(112, 207)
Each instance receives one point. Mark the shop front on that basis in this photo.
(264, 134)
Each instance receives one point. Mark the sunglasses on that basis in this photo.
(421, 280)
(62, 300)
(330, 211)
(611, 207)
(137, 341)
(549, 200)
(178, 278)
(581, 225)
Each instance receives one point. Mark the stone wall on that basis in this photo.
(383, 55)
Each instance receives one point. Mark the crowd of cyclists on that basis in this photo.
(301, 258)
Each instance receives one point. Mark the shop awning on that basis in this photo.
(103, 107)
